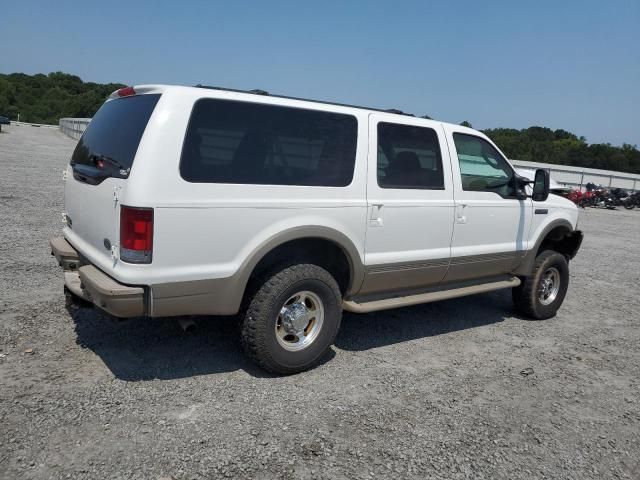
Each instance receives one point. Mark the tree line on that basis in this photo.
(47, 98)
(560, 147)
(540, 144)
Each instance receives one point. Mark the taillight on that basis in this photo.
(136, 234)
(126, 92)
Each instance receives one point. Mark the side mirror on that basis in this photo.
(541, 185)
(520, 184)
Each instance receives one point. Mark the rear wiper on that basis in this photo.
(99, 161)
(98, 168)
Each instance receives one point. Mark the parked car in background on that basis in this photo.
(4, 120)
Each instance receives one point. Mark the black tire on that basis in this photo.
(629, 205)
(526, 296)
(258, 326)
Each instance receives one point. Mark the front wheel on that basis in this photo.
(541, 294)
(629, 204)
(292, 319)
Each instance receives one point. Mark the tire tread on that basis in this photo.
(525, 295)
(265, 291)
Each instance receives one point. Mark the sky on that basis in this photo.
(559, 64)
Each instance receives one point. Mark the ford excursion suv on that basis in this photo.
(286, 211)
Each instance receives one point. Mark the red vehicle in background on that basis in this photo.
(583, 199)
(598, 196)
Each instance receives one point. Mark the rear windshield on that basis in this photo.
(250, 143)
(110, 142)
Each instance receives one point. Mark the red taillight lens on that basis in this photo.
(136, 234)
(126, 92)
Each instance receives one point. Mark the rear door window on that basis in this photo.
(409, 157)
(250, 143)
(110, 142)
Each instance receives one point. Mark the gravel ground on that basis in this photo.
(457, 389)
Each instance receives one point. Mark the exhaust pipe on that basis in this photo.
(187, 325)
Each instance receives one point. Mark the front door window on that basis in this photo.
(482, 167)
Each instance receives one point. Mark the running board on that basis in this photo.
(389, 303)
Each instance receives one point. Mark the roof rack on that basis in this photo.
(257, 91)
(398, 112)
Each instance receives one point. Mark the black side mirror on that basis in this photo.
(520, 184)
(541, 185)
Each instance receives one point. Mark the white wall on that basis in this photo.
(579, 176)
(74, 127)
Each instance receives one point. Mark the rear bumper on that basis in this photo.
(113, 297)
(65, 254)
(220, 296)
(89, 283)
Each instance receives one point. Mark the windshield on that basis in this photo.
(109, 144)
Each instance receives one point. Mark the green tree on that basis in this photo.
(540, 144)
(47, 98)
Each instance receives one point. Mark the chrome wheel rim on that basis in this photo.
(299, 321)
(549, 286)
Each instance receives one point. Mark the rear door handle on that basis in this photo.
(376, 216)
(461, 216)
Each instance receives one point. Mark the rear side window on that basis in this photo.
(249, 143)
(409, 157)
(109, 144)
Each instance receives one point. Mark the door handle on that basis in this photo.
(460, 213)
(376, 215)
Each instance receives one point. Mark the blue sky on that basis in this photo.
(561, 64)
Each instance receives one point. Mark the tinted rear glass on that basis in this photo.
(409, 157)
(249, 143)
(114, 133)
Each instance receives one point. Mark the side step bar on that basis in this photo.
(396, 302)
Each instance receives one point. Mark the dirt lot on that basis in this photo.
(434, 391)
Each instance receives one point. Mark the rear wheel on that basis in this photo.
(541, 294)
(292, 318)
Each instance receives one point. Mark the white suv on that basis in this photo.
(206, 201)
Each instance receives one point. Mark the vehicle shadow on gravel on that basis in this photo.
(362, 332)
(144, 349)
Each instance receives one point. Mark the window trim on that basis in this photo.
(409, 187)
(514, 174)
(228, 100)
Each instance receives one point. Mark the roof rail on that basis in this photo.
(398, 112)
(265, 93)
